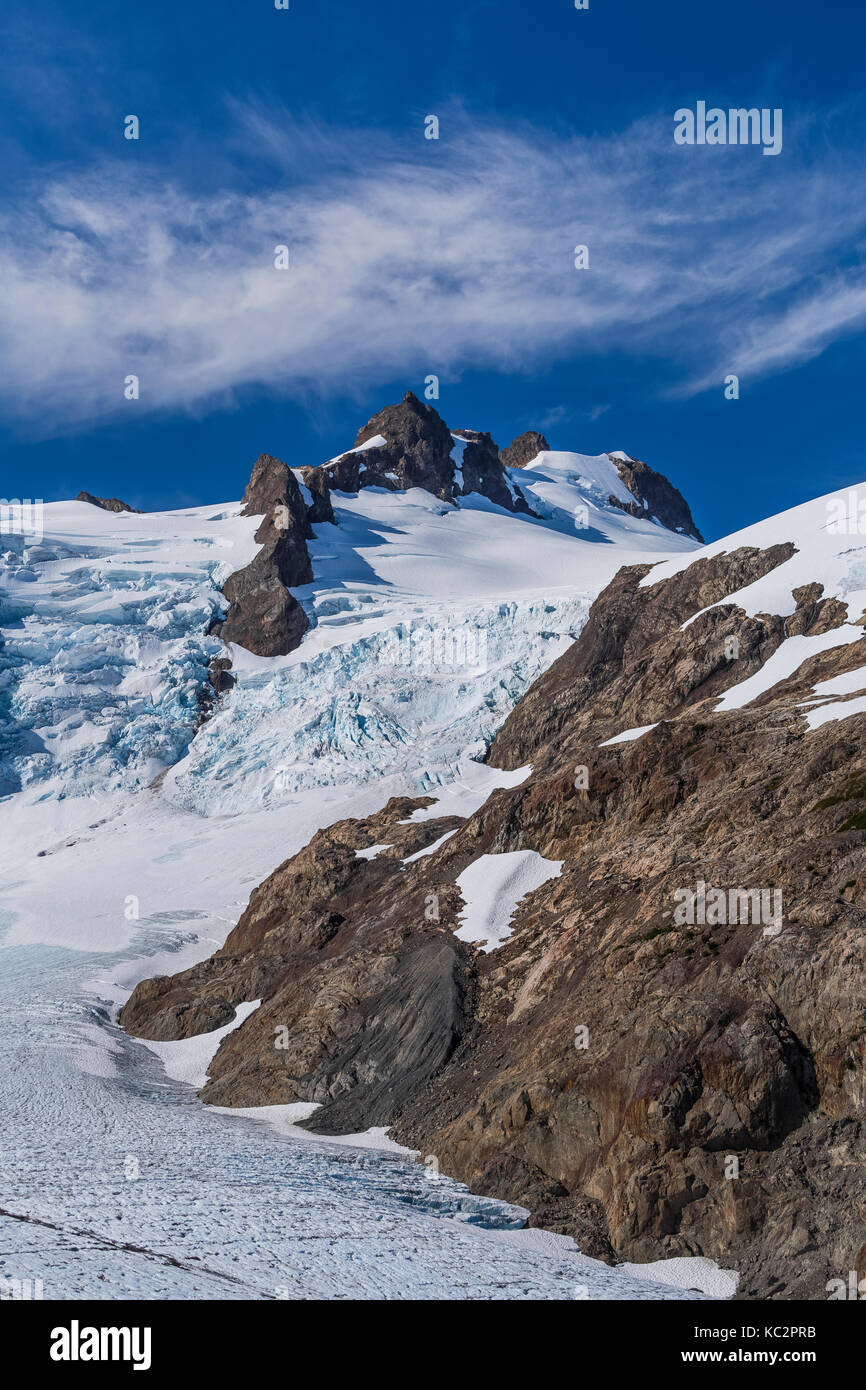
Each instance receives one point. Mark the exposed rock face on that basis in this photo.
(705, 1043)
(219, 682)
(523, 449)
(655, 496)
(263, 616)
(627, 670)
(342, 474)
(273, 492)
(108, 504)
(653, 1085)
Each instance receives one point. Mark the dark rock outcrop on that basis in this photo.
(523, 449)
(219, 682)
(653, 1085)
(273, 493)
(108, 504)
(342, 474)
(655, 497)
(263, 616)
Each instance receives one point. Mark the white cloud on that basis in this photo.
(456, 255)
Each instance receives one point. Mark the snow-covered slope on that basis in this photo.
(556, 483)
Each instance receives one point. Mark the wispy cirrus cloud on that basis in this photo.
(457, 254)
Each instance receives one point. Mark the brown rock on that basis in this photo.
(367, 1013)
(483, 472)
(317, 482)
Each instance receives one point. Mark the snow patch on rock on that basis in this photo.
(492, 886)
(628, 735)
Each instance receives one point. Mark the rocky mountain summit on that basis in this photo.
(663, 1050)
(108, 504)
(409, 445)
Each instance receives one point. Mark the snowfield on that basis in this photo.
(492, 887)
(130, 844)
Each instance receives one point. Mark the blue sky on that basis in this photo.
(408, 257)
